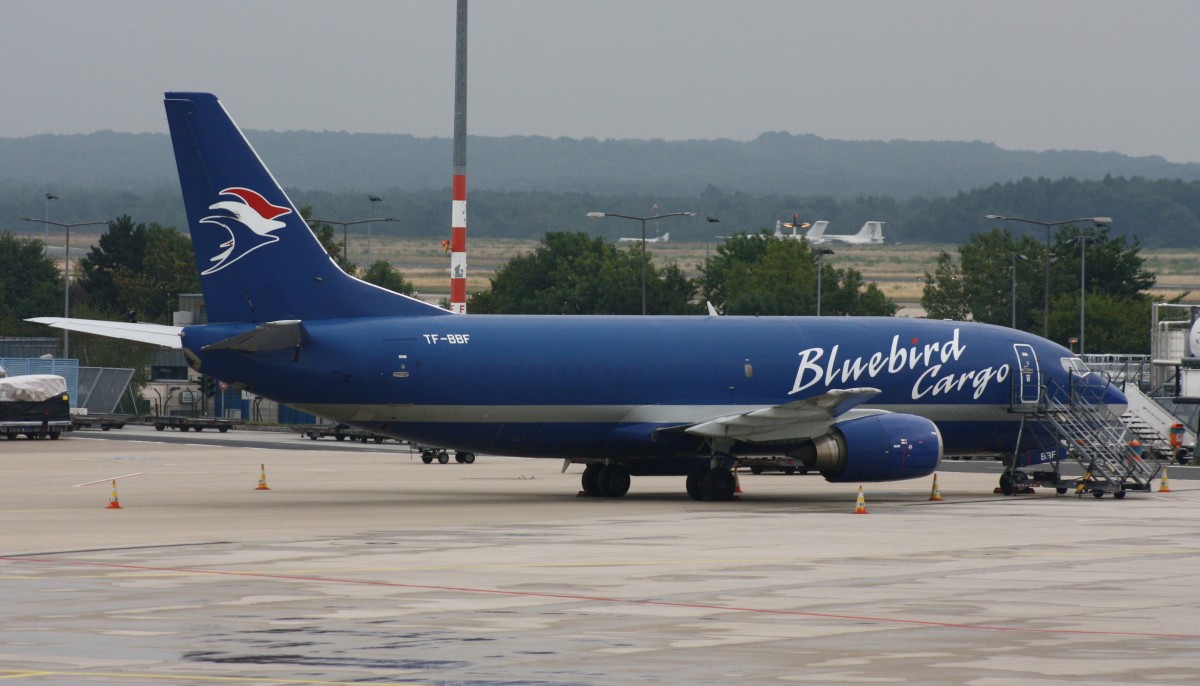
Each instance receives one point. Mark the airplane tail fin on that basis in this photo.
(817, 230)
(258, 260)
(666, 237)
(873, 231)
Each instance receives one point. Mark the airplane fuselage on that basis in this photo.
(546, 386)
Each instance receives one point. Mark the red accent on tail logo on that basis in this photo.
(250, 223)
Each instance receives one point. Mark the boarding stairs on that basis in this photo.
(1152, 424)
(1088, 433)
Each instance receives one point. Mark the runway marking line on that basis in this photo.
(613, 600)
(8, 674)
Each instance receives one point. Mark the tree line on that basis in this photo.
(1000, 278)
(136, 272)
(1160, 213)
(772, 163)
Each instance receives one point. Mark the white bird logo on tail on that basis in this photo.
(254, 220)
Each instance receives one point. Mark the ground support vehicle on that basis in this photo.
(161, 423)
(104, 422)
(34, 406)
(339, 432)
(430, 453)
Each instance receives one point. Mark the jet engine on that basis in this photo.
(881, 447)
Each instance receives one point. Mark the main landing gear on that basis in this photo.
(711, 483)
(606, 480)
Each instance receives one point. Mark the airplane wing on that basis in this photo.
(800, 419)
(157, 334)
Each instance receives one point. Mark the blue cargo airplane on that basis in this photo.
(858, 399)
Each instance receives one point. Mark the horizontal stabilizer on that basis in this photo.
(800, 419)
(157, 334)
(288, 333)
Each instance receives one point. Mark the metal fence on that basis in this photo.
(101, 388)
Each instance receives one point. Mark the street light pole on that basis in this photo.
(66, 269)
(345, 245)
(706, 242)
(643, 220)
(820, 261)
(371, 199)
(711, 220)
(1082, 240)
(1098, 221)
(1015, 255)
(46, 225)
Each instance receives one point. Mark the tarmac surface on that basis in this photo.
(361, 564)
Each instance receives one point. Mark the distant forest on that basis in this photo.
(523, 187)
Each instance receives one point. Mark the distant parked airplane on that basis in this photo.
(657, 239)
(793, 225)
(871, 233)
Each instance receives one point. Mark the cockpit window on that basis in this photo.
(1076, 365)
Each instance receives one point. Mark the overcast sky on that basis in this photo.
(1024, 74)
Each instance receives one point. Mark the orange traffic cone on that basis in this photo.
(1163, 485)
(113, 502)
(737, 485)
(262, 479)
(935, 494)
(860, 505)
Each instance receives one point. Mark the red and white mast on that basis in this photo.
(458, 211)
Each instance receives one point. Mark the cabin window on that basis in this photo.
(749, 368)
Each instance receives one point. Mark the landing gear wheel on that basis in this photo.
(1007, 487)
(695, 482)
(427, 457)
(718, 484)
(591, 480)
(464, 458)
(613, 481)
(443, 457)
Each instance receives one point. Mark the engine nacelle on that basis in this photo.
(881, 447)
